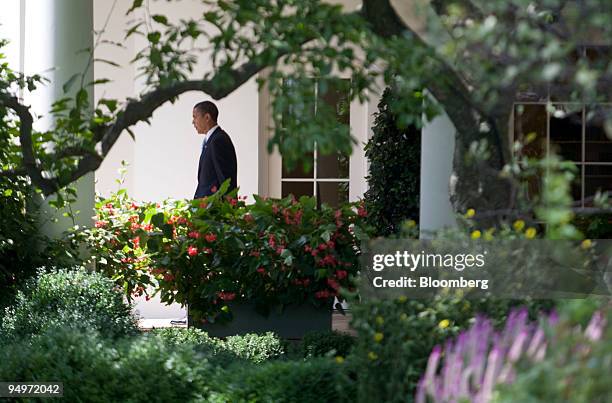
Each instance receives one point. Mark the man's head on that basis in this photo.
(205, 116)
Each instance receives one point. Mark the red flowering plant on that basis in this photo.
(211, 253)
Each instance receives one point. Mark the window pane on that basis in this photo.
(333, 166)
(297, 189)
(576, 187)
(566, 132)
(597, 177)
(298, 171)
(334, 98)
(598, 147)
(332, 193)
(334, 93)
(531, 119)
(301, 94)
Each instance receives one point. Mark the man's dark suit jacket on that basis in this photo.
(217, 163)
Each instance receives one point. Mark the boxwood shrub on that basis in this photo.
(73, 298)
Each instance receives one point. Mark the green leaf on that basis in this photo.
(70, 82)
(161, 19)
(136, 4)
(154, 38)
(109, 62)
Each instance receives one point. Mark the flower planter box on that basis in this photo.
(292, 323)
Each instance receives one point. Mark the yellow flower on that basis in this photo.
(403, 316)
(444, 324)
(225, 308)
(339, 359)
(372, 355)
(530, 233)
(378, 337)
(470, 213)
(402, 299)
(586, 244)
(476, 234)
(411, 223)
(380, 320)
(519, 225)
(488, 235)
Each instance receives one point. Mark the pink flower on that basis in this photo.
(100, 224)
(213, 188)
(148, 227)
(210, 237)
(333, 284)
(274, 208)
(305, 282)
(261, 270)
(361, 211)
(248, 218)
(168, 277)
(134, 226)
(338, 214)
(204, 204)
(207, 250)
(322, 246)
(255, 253)
(194, 235)
(324, 294)
(226, 296)
(134, 206)
(192, 251)
(341, 274)
(136, 242)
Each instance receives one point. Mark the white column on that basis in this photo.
(437, 150)
(57, 34)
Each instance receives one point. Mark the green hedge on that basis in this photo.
(74, 298)
(315, 380)
(94, 368)
(320, 344)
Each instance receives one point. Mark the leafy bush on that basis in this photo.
(394, 154)
(254, 347)
(319, 344)
(209, 251)
(315, 380)
(74, 298)
(175, 336)
(97, 369)
(249, 347)
(396, 336)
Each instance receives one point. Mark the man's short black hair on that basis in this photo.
(207, 107)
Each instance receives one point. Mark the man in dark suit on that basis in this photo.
(218, 157)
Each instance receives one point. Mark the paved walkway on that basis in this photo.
(340, 323)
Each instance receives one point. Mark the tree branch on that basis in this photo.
(48, 186)
(141, 110)
(448, 87)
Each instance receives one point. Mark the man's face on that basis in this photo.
(201, 121)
